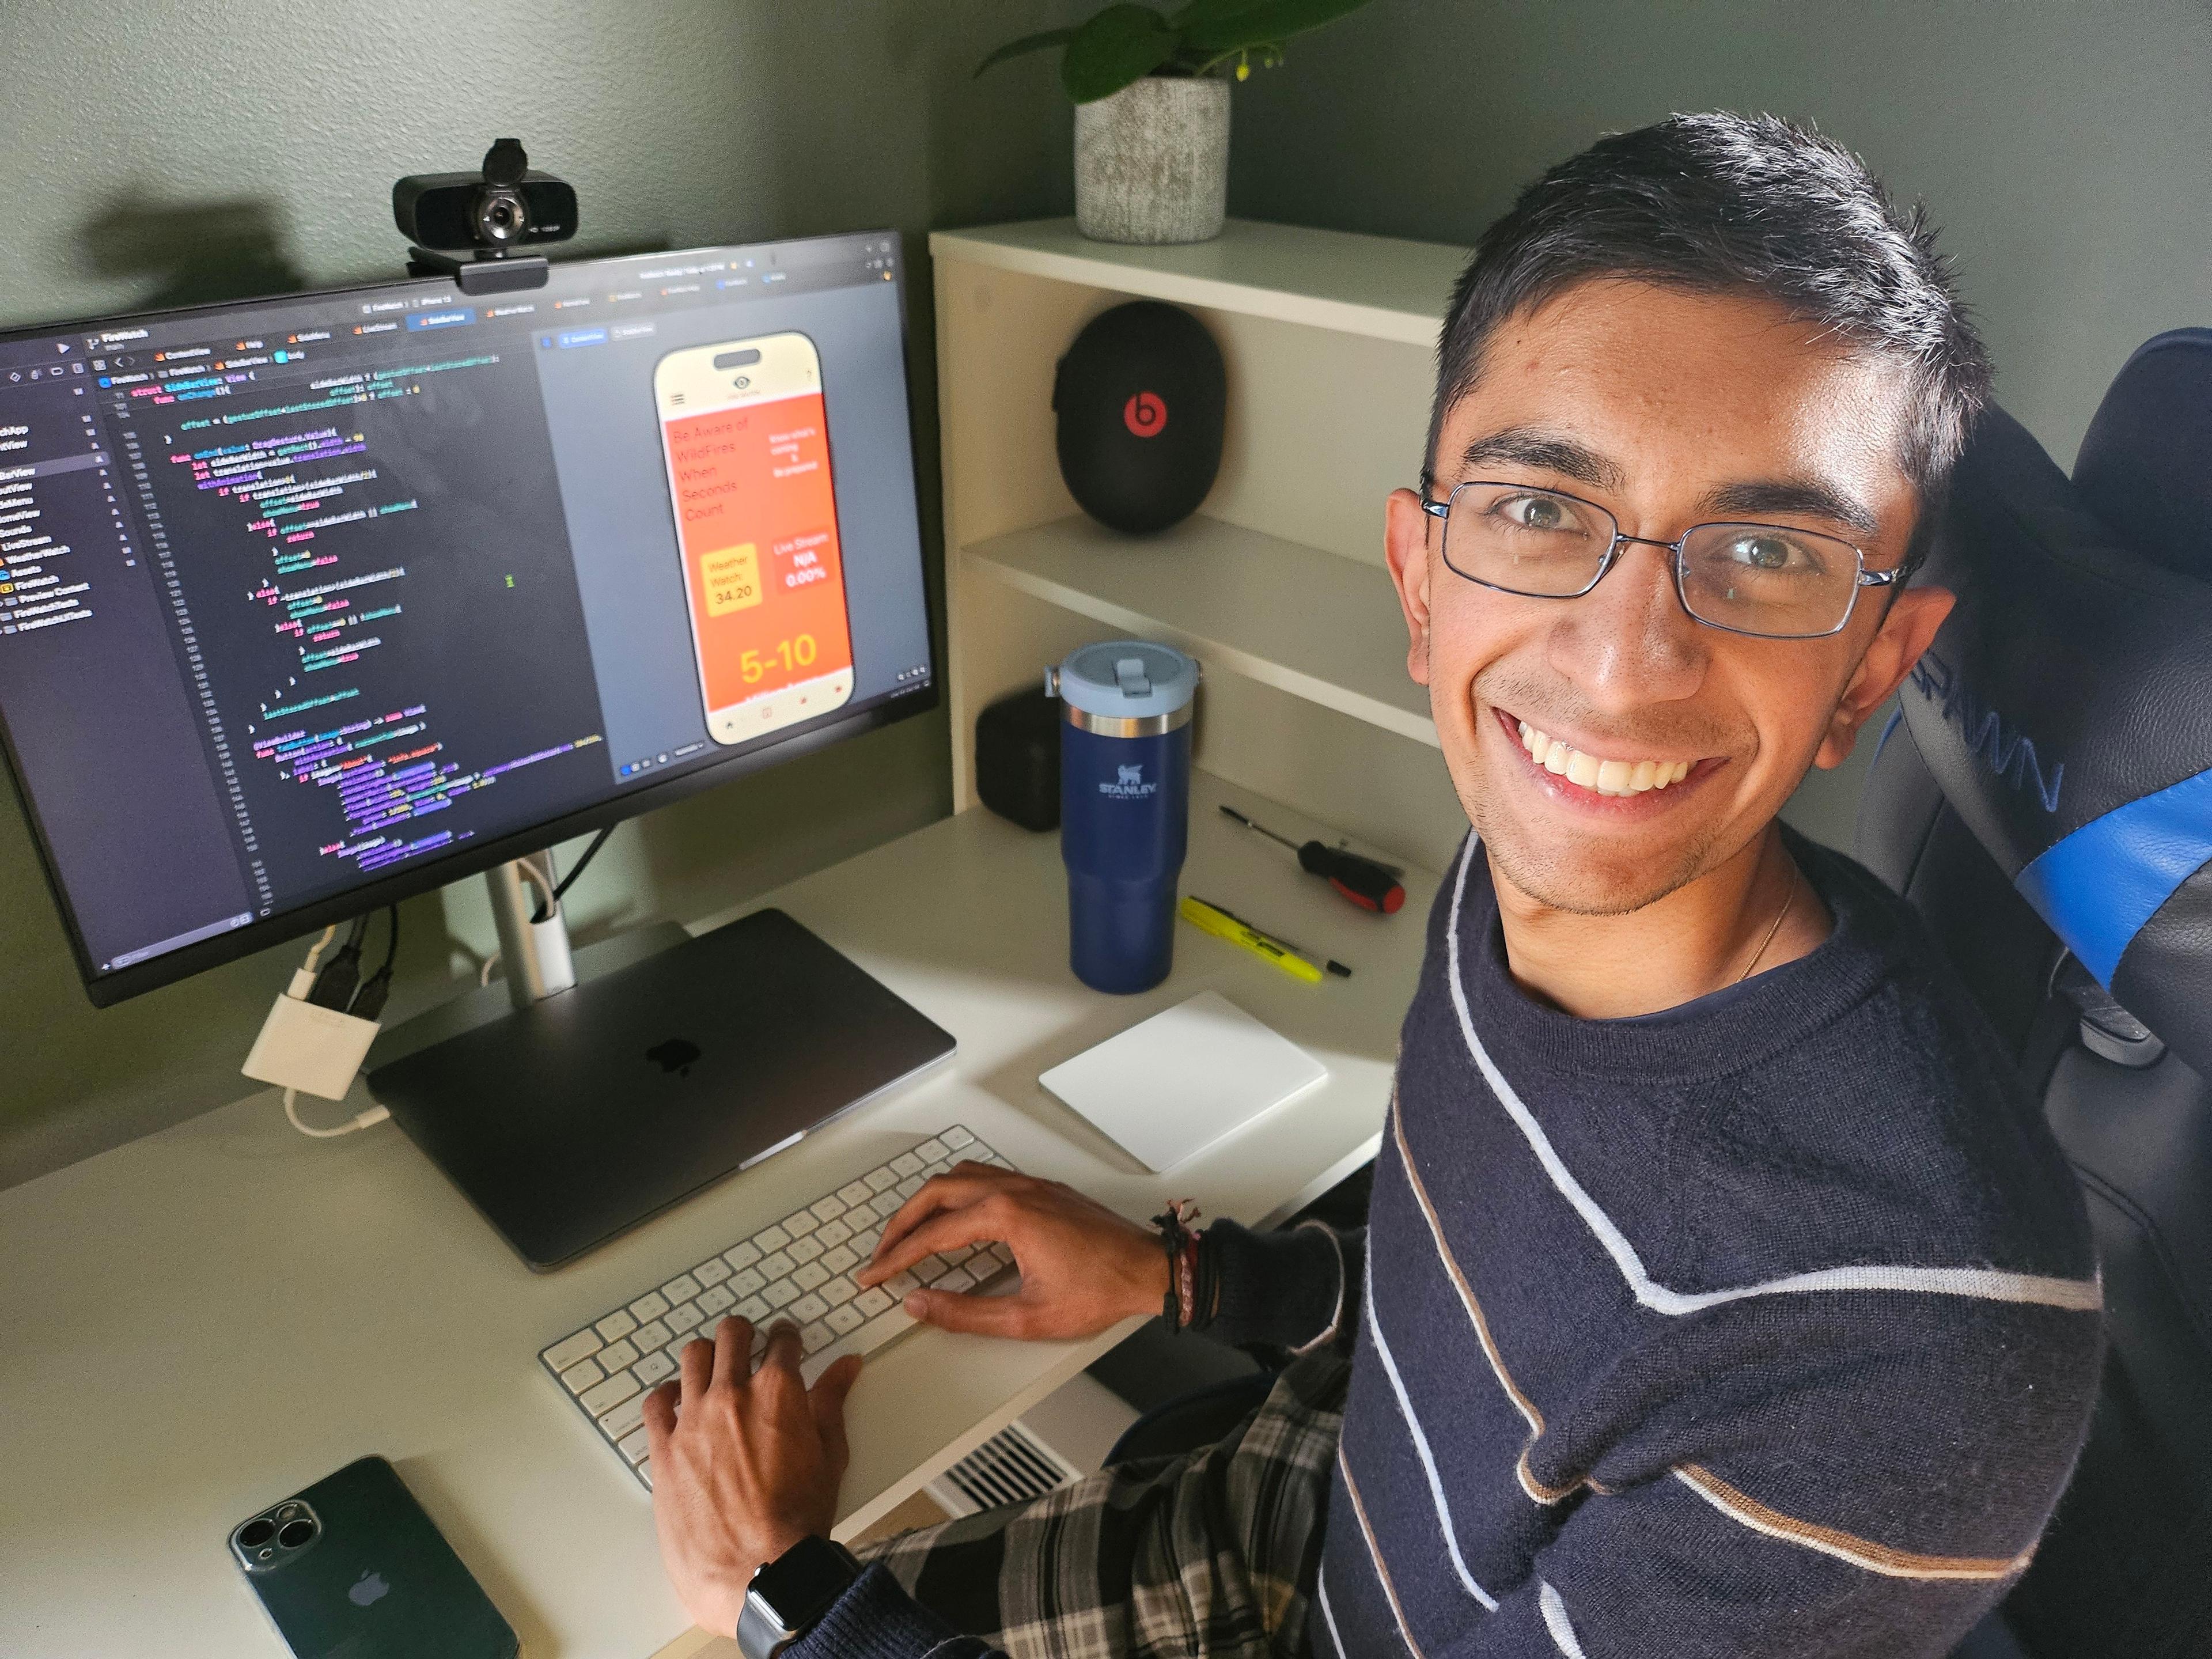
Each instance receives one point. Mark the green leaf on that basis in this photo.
(1122, 45)
(1221, 25)
(1027, 43)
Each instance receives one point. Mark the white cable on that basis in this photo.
(303, 982)
(489, 963)
(375, 1115)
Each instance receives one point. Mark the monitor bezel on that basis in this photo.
(120, 984)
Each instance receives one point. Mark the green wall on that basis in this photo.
(2060, 145)
(169, 151)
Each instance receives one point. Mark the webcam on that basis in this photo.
(487, 216)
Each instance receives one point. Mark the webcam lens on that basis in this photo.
(298, 1533)
(255, 1534)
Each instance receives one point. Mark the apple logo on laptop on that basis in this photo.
(675, 1055)
(369, 1588)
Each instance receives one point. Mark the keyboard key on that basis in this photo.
(653, 1369)
(799, 1222)
(582, 1375)
(839, 1260)
(866, 1241)
(906, 1163)
(929, 1270)
(650, 1305)
(775, 1265)
(683, 1318)
(930, 1150)
(682, 1288)
(748, 1282)
(623, 1420)
(569, 1349)
(855, 1192)
(879, 1179)
(608, 1395)
(713, 1270)
(616, 1324)
(618, 1356)
(810, 1275)
(633, 1447)
(809, 1307)
(835, 1233)
(846, 1318)
(905, 1188)
(816, 1337)
(870, 1337)
(1004, 1252)
(753, 1309)
(781, 1294)
(873, 1301)
(902, 1284)
(840, 1291)
(887, 1203)
(803, 1250)
(742, 1256)
(828, 1209)
(652, 1334)
(941, 1167)
(644, 1473)
(716, 1299)
(771, 1239)
(958, 1279)
(956, 1137)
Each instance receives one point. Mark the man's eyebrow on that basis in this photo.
(1529, 446)
(1805, 497)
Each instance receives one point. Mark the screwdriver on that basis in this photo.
(1368, 884)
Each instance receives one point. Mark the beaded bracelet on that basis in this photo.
(1179, 1308)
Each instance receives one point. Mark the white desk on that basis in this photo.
(200, 1322)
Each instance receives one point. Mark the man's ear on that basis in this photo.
(1907, 631)
(1406, 546)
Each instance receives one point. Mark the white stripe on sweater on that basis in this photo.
(1556, 1621)
(1328, 1612)
(1989, 1284)
(1421, 1445)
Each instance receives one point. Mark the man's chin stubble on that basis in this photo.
(1558, 882)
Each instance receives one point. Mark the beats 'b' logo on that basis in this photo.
(1144, 415)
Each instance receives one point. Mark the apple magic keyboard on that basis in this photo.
(799, 1269)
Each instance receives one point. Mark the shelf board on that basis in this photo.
(1381, 286)
(1317, 626)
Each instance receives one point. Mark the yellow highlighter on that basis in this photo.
(1222, 924)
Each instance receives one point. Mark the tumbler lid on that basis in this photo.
(1130, 678)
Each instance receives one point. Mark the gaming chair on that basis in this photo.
(2044, 798)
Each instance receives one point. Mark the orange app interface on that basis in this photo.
(748, 453)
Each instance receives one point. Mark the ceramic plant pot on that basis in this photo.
(1151, 162)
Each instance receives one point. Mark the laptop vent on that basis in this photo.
(1012, 1466)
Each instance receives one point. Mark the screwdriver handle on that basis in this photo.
(1368, 884)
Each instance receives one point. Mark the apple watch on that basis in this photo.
(789, 1594)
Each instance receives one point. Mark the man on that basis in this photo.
(1723, 1292)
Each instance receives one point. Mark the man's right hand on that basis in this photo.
(1083, 1266)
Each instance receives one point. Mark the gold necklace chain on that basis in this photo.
(1789, 899)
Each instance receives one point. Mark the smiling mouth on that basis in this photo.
(1619, 777)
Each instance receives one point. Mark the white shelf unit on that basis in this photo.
(1277, 586)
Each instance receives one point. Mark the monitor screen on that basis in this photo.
(308, 603)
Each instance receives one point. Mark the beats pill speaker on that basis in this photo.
(1141, 397)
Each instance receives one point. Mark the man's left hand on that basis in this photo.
(744, 1463)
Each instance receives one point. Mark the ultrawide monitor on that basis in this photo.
(310, 603)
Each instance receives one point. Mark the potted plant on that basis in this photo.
(1152, 106)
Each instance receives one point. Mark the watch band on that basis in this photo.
(788, 1596)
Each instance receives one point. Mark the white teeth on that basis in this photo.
(1606, 777)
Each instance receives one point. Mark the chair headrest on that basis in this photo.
(2145, 468)
(2065, 711)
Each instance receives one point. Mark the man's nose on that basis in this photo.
(1628, 642)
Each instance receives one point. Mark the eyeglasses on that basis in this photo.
(1761, 579)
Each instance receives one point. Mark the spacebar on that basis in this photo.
(861, 1340)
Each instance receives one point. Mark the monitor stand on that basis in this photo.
(596, 1090)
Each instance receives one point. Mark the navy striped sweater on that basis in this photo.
(1766, 1326)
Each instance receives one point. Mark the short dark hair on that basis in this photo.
(1721, 202)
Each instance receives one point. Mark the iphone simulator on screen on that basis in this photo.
(747, 448)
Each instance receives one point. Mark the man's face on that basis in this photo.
(1668, 409)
